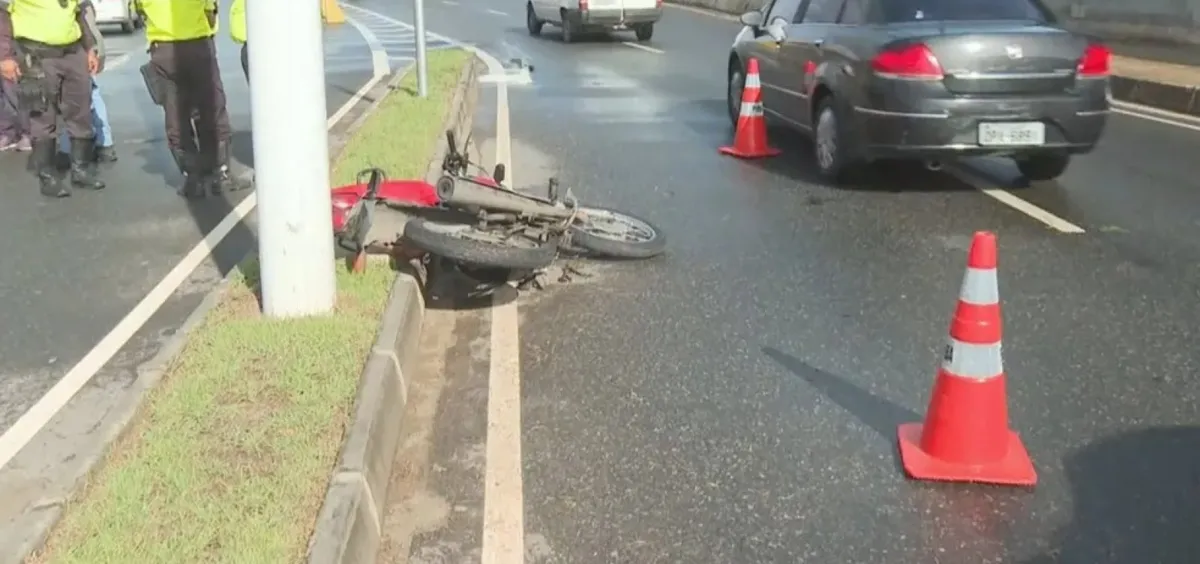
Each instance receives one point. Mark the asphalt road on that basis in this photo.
(74, 268)
(736, 400)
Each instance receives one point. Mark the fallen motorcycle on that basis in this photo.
(485, 220)
(488, 230)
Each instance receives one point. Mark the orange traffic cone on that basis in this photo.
(750, 140)
(965, 437)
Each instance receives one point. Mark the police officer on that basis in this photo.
(46, 48)
(237, 30)
(183, 56)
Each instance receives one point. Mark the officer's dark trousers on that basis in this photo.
(68, 85)
(190, 67)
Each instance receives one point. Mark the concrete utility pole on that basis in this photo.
(291, 156)
(422, 68)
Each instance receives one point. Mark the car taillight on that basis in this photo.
(583, 5)
(658, 3)
(910, 61)
(1095, 61)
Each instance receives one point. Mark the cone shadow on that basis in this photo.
(880, 415)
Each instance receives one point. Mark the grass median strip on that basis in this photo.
(229, 459)
(405, 124)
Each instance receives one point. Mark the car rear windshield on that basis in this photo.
(897, 11)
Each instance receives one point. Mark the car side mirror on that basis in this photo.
(753, 19)
(777, 29)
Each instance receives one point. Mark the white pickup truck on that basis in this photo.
(117, 12)
(583, 16)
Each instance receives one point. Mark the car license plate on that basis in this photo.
(1012, 134)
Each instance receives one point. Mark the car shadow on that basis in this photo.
(554, 34)
(890, 175)
(796, 160)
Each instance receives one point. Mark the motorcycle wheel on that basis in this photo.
(465, 243)
(615, 234)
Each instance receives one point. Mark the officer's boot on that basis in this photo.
(228, 178)
(42, 159)
(195, 184)
(83, 171)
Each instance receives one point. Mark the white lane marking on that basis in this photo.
(504, 489)
(504, 497)
(1011, 200)
(1156, 115)
(645, 48)
(32, 421)
(380, 65)
(497, 13)
(450, 2)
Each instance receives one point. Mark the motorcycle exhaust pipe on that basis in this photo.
(460, 193)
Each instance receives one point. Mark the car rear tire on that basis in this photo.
(733, 92)
(1041, 168)
(831, 143)
(644, 31)
(532, 22)
(568, 28)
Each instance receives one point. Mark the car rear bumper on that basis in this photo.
(949, 128)
(616, 19)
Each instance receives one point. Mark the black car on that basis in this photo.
(931, 80)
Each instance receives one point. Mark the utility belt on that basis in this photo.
(31, 86)
(46, 50)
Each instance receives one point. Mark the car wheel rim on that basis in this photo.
(735, 95)
(826, 139)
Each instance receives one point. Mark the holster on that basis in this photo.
(31, 86)
(156, 84)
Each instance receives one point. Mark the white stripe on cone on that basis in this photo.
(751, 109)
(979, 287)
(969, 360)
(752, 81)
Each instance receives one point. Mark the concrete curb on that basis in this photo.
(1169, 97)
(349, 525)
(1163, 96)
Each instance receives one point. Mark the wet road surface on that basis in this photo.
(736, 400)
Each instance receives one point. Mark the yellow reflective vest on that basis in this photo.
(46, 21)
(237, 21)
(176, 20)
